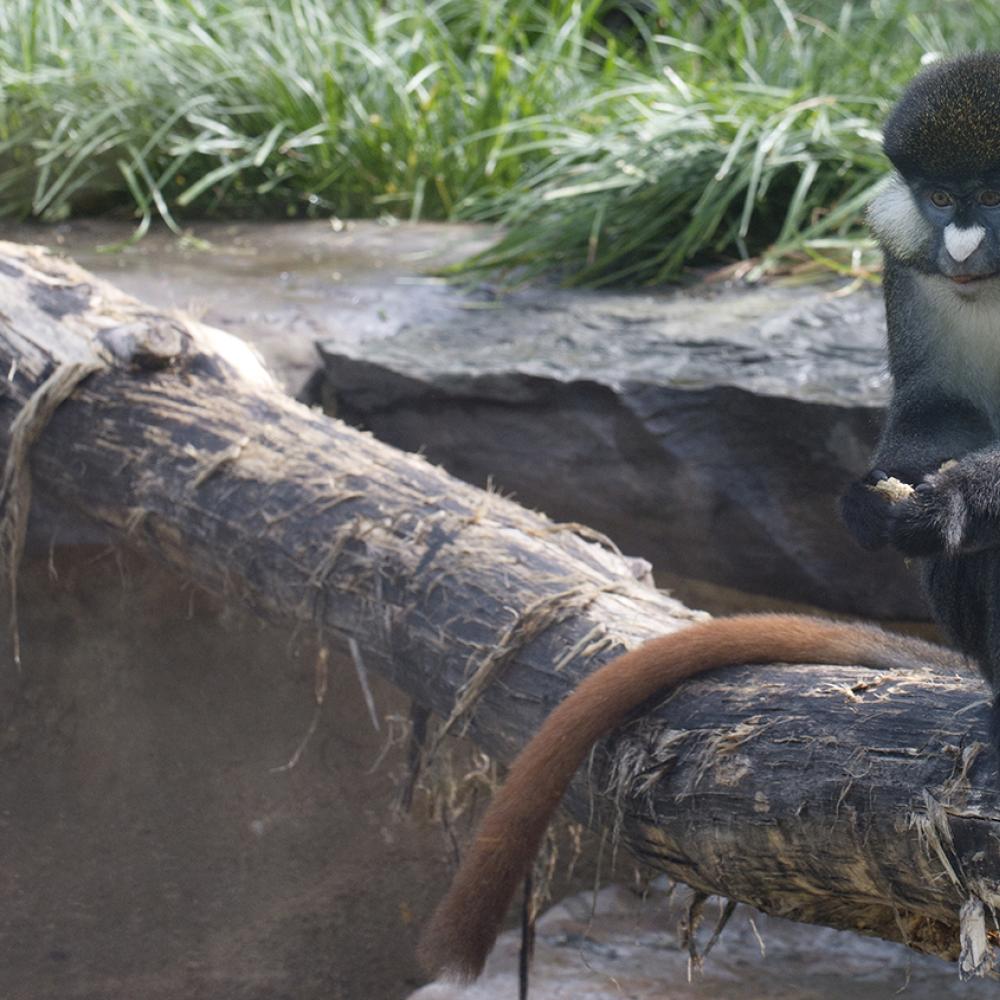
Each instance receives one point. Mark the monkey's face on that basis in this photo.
(951, 228)
(940, 211)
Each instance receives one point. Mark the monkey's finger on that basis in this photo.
(864, 515)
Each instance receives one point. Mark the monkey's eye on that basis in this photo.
(989, 198)
(941, 199)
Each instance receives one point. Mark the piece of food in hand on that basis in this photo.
(893, 489)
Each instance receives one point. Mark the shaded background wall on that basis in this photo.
(149, 847)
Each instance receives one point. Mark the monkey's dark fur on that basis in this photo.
(938, 222)
(946, 124)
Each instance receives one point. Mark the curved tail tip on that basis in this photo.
(443, 958)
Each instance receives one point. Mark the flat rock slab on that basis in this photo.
(710, 432)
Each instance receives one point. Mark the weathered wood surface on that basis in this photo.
(835, 795)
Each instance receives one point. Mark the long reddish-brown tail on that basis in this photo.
(464, 927)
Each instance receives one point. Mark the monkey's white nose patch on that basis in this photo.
(961, 243)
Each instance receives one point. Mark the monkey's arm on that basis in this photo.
(955, 510)
(924, 429)
(926, 423)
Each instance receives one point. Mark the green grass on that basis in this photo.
(617, 143)
(279, 107)
(756, 135)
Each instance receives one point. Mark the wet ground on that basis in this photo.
(616, 945)
(279, 285)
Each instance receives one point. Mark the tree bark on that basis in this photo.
(841, 796)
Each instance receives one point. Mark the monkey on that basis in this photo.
(937, 220)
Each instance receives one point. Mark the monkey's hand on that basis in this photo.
(867, 511)
(930, 522)
(947, 512)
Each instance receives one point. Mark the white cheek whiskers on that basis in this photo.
(896, 221)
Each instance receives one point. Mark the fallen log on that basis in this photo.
(839, 796)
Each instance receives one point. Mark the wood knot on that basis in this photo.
(145, 345)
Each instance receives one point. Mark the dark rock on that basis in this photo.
(710, 433)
